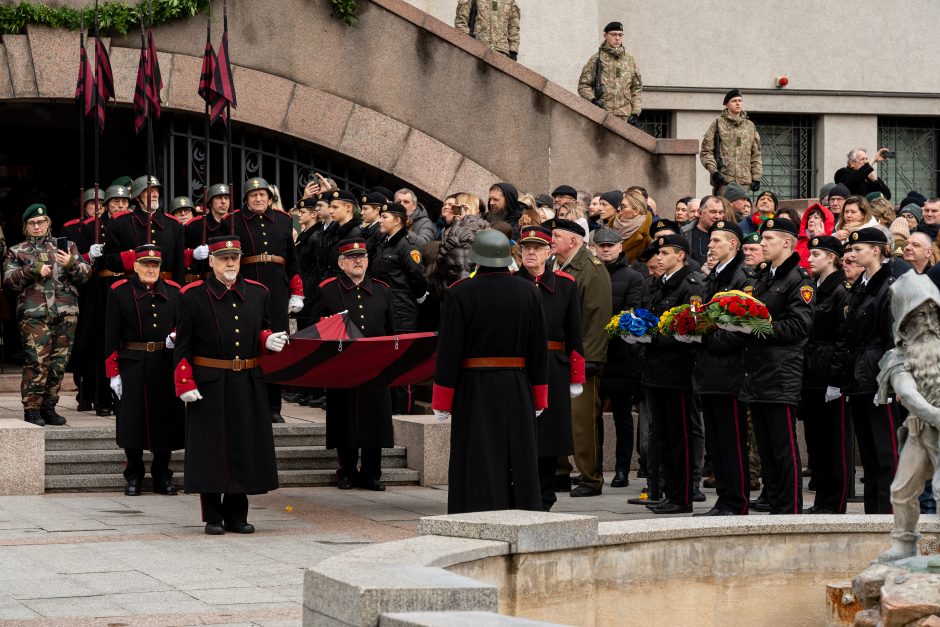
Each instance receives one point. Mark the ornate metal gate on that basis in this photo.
(656, 123)
(786, 154)
(917, 144)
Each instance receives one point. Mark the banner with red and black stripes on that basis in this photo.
(104, 81)
(85, 86)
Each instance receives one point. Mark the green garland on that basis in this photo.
(118, 17)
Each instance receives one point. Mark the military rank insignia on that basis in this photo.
(748, 289)
(806, 293)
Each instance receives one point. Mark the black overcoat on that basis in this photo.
(127, 231)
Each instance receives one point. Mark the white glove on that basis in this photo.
(832, 393)
(201, 253)
(423, 298)
(276, 341)
(118, 386)
(191, 397)
(295, 304)
(442, 416)
(96, 250)
(538, 412)
(170, 340)
(576, 390)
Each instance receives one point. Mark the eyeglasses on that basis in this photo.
(37, 222)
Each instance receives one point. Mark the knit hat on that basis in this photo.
(914, 198)
(839, 190)
(613, 198)
(773, 197)
(734, 192)
(912, 209)
(900, 229)
(824, 190)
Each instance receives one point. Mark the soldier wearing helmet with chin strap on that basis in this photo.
(200, 228)
(270, 258)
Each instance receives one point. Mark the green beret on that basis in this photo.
(751, 238)
(34, 210)
(872, 196)
(123, 181)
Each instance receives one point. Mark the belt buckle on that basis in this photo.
(151, 347)
(265, 258)
(237, 365)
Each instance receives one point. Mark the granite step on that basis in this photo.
(111, 461)
(288, 478)
(103, 438)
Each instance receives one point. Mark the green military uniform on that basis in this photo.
(594, 294)
(496, 23)
(47, 310)
(739, 151)
(620, 80)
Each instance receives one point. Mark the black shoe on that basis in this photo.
(371, 484)
(697, 496)
(319, 402)
(708, 481)
(819, 510)
(345, 483)
(132, 488)
(83, 406)
(239, 527)
(562, 483)
(50, 416)
(215, 529)
(715, 511)
(104, 411)
(620, 480)
(163, 486)
(641, 473)
(33, 416)
(760, 505)
(672, 508)
(585, 490)
(575, 479)
(276, 417)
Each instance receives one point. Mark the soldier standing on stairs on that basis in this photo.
(493, 22)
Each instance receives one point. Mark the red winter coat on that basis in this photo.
(802, 242)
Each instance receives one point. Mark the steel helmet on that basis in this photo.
(140, 184)
(256, 183)
(117, 191)
(491, 248)
(219, 189)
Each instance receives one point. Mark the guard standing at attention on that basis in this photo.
(201, 228)
(493, 22)
(138, 338)
(611, 80)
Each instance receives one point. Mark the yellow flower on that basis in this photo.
(289, 508)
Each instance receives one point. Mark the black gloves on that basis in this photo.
(514, 56)
(755, 185)
(717, 179)
(597, 103)
(633, 120)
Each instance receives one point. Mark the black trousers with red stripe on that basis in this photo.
(775, 432)
(876, 428)
(830, 432)
(671, 414)
(726, 443)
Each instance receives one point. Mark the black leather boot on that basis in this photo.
(33, 416)
(51, 417)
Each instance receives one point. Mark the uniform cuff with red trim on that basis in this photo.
(183, 377)
(296, 286)
(86, 257)
(187, 257)
(265, 334)
(111, 365)
(540, 396)
(442, 398)
(127, 260)
(576, 367)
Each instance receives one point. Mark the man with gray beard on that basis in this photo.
(911, 372)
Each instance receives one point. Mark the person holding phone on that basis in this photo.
(859, 174)
(46, 272)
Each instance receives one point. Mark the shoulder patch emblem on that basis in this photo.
(415, 255)
(806, 293)
(696, 301)
(748, 289)
(848, 285)
(596, 261)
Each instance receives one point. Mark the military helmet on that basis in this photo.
(182, 202)
(90, 196)
(141, 183)
(491, 248)
(219, 189)
(117, 191)
(256, 183)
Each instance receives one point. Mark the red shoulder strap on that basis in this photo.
(330, 280)
(190, 286)
(118, 284)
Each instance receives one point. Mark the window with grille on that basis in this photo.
(656, 123)
(786, 153)
(917, 165)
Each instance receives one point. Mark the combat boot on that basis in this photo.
(899, 550)
(51, 417)
(33, 416)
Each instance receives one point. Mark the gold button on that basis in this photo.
(236, 330)
(182, 367)
(234, 305)
(154, 315)
(184, 380)
(237, 344)
(360, 306)
(236, 317)
(154, 326)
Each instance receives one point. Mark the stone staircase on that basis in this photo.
(86, 459)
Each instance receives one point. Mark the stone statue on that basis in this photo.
(911, 371)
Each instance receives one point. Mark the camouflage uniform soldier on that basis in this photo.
(47, 309)
(619, 87)
(494, 22)
(731, 148)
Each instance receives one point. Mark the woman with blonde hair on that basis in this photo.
(633, 222)
(883, 211)
(469, 204)
(856, 214)
(572, 211)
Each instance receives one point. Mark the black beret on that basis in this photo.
(782, 225)
(564, 225)
(395, 208)
(673, 241)
(648, 253)
(914, 197)
(728, 226)
(826, 242)
(605, 235)
(663, 224)
(613, 26)
(340, 194)
(734, 93)
(613, 198)
(868, 235)
(373, 198)
(565, 190)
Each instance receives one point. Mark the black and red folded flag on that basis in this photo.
(85, 86)
(222, 86)
(104, 81)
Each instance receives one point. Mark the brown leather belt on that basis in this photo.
(150, 347)
(493, 362)
(108, 273)
(263, 258)
(556, 346)
(225, 364)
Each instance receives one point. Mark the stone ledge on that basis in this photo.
(454, 619)
(427, 441)
(525, 531)
(22, 458)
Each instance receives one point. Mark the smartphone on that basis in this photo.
(62, 243)
(891, 154)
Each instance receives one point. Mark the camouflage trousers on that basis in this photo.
(46, 347)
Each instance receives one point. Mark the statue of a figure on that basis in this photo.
(911, 371)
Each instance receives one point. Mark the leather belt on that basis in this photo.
(264, 258)
(150, 347)
(225, 364)
(556, 346)
(108, 273)
(493, 362)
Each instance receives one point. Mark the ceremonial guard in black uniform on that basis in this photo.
(72, 230)
(492, 375)
(129, 230)
(866, 336)
(828, 424)
(141, 316)
(773, 375)
(559, 295)
(201, 228)
(358, 418)
(719, 375)
(267, 239)
(667, 376)
(372, 232)
(222, 328)
(345, 224)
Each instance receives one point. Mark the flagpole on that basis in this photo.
(208, 180)
(151, 151)
(81, 126)
(98, 128)
(228, 119)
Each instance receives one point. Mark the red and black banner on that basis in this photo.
(223, 83)
(155, 84)
(104, 81)
(141, 103)
(85, 86)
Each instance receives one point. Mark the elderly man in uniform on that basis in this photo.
(358, 418)
(559, 295)
(619, 88)
(493, 22)
(594, 295)
(141, 316)
(270, 258)
(731, 148)
(222, 327)
(492, 374)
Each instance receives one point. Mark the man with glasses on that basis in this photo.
(859, 175)
(611, 80)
